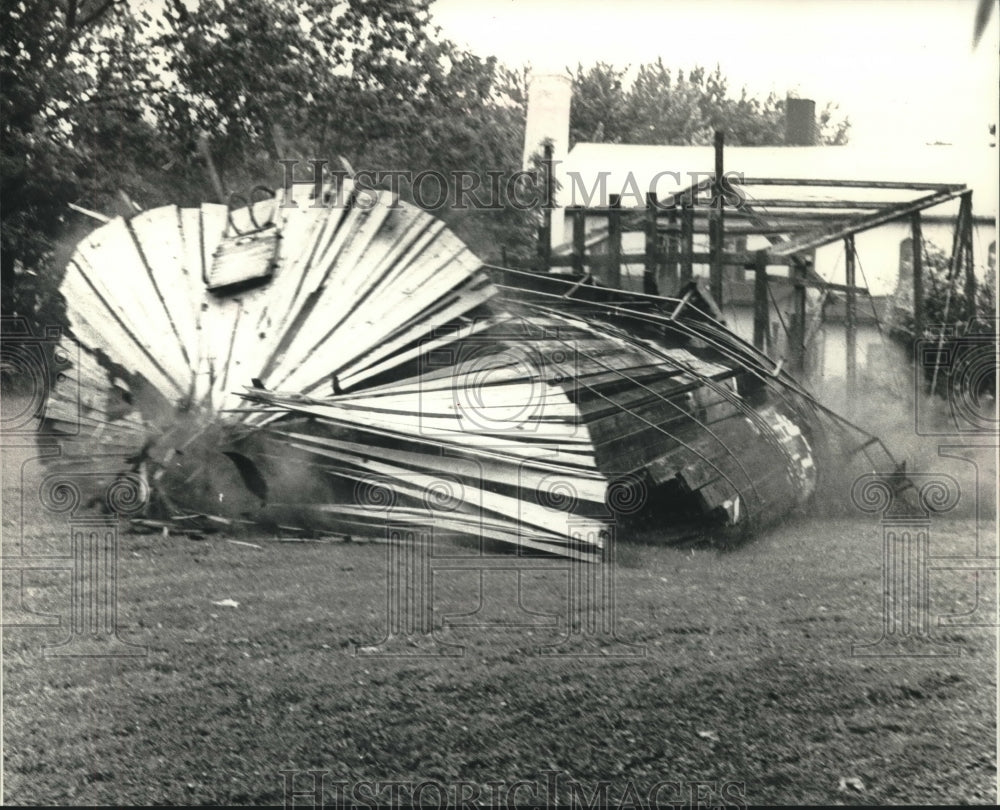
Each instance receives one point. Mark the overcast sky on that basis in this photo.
(901, 69)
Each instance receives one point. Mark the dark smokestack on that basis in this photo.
(800, 122)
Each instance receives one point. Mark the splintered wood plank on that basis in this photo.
(453, 332)
(419, 333)
(555, 461)
(265, 309)
(356, 521)
(442, 268)
(298, 279)
(158, 233)
(349, 273)
(214, 223)
(509, 473)
(249, 346)
(523, 445)
(511, 361)
(86, 376)
(326, 302)
(193, 277)
(220, 324)
(95, 322)
(111, 264)
(254, 335)
(684, 360)
(475, 429)
(501, 405)
(423, 484)
(628, 394)
(592, 381)
(437, 280)
(349, 221)
(439, 366)
(87, 396)
(471, 387)
(378, 258)
(385, 257)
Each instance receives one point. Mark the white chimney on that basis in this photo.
(549, 96)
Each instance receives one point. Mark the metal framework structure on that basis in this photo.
(796, 215)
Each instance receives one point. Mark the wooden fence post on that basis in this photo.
(970, 268)
(761, 318)
(579, 237)
(545, 230)
(917, 262)
(652, 253)
(850, 324)
(668, 285)
(716, 233)
(798, 336)
(687, 240)
(615, 242)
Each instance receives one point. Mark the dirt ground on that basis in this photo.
(729, 677)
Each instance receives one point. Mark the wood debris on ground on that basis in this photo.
(352, 368)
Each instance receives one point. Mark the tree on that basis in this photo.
(950, 318)
(370, 81)
(945, 299)
(598, 109)
(78, 95)
(100, 98)
(39, 77)
(662, 106)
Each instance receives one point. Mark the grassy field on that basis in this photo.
(733, 669)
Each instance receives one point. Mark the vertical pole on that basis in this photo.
(970, 267)
(761, 326)
(652, 252)
(687, 240)
(615, 242)
(957, 247)
(668, 286)
(956, 244)
(549, 189)
(849, 317)
(543, 250)
(917, 240)
(545, 232)
(798, 348)
(579, 238)
(716, 224)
